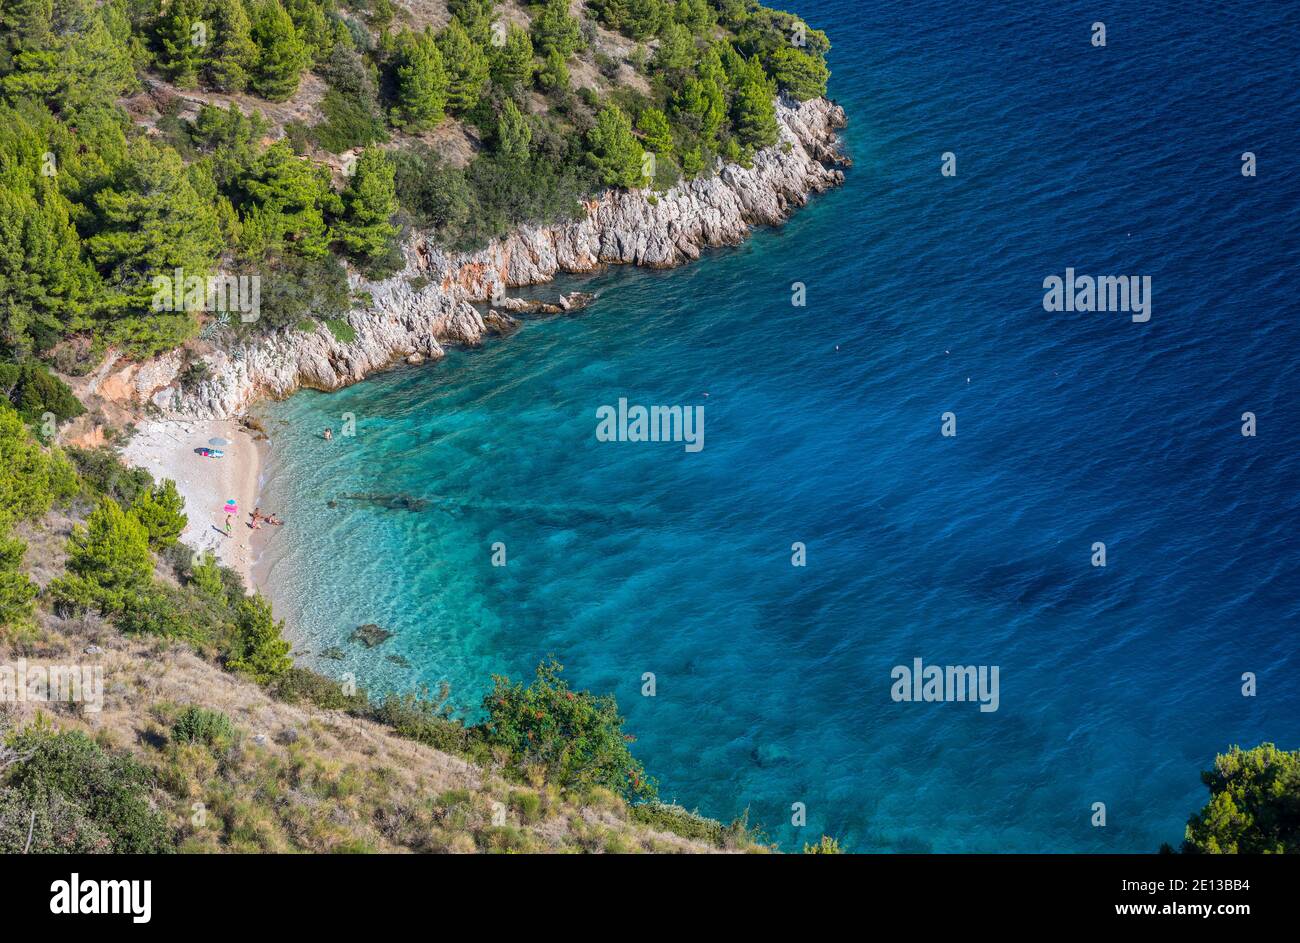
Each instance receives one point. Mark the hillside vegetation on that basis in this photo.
(146, 145)
(290, 140)
(206, 737)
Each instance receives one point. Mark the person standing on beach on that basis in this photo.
(227, 525)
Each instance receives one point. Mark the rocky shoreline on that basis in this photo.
(414, 314)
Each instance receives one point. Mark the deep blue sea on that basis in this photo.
(822, 426)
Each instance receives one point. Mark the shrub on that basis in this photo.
(194, 375)
(295, 288)
(349, 122)
(205, 575)
(575, 736)
(88, 800)
(675, 819)
(424, 719)
(104, 474)
(302, 684)
(34, 391)
(827, 846)
(435, 193)
(343, 332)
(163, 611)
(200, 725)
(527, 804)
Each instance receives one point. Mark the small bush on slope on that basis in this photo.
(199, 725)
(85, 799)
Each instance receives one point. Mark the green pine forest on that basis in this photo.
(94, 203)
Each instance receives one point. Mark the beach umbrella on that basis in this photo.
(218, 441)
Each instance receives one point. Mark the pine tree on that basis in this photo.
(636, 18)
(369, 202)
(181, 47)
(612, 149)
(282, 55)
(17, 592)
(45, 280)
(475, 16)
(77, 67)
(554, 30)
(676, 49)
(513, 134)
(467, 67)
(313, 27)
(512, 62)
(695, 15)
(108, 559)
(31, 479)
(656, 132)
(753, 110)
(149, 221)
(286, 202)
(25, 24)
(554, 73)
(162, 512)
(260, 649)
(702, 105)
(421, 84)
(800, 74)
(233, 52)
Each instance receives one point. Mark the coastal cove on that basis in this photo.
(478, 516)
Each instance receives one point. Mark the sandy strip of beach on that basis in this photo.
(166, 449)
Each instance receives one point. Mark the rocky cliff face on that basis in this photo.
(415, 313)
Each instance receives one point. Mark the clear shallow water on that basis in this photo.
(1117, 685)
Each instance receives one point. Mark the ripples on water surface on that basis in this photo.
(822, 426)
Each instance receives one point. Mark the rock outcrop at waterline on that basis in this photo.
(414, 314)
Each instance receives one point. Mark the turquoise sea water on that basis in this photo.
(822, 426)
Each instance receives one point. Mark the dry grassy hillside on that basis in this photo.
(299, 778)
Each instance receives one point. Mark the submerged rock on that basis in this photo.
(370, 635)
(390, 502)
(333, 652)
(500, 324)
